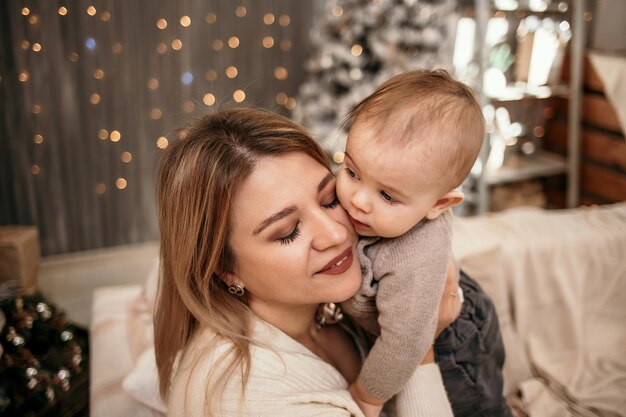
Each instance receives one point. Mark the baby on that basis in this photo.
(411, 145)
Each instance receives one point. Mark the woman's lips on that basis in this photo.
(340, 264)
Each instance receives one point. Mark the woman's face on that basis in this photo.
(293, 243)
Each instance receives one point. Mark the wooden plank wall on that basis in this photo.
(603, 147)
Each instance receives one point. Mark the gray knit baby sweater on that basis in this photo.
(402, 283)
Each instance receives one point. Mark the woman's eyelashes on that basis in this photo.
(285, 240)
(334, 203)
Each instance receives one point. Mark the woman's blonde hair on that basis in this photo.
(197, 181)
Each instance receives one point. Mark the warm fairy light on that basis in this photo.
(101, 188)
(239, 96)
(115, 136)
(185, 21)
(211, 75)
(38, 139)
(126, 157)
(240, 11)
(233, 42)
(588, 16)
(281, 98)
(33, 20)
(548, 112)
(210, 18)
(91, 11)
(153, 83)
(284, 20)
(188, 106)
(156, 113)
(35, 170)
(36, 47)
(280, 73)
(356, 50)
(105, 16)
(268, 42)
(103, 134)
(121, 183)
(24, 76)
(539, 131)
(268, 19)
(25, 11)
(182, 135)
(74, 57)
(285, 45)
(291, 103)
(95, 98)
(36, 109)
(25, 44)
(208, 99)
(161, 48)
(500, 14)
(161, 24)
(338, 157)
(217, 45)
(231, 72)
(98, 74)
(117, 48)
(177, 44)
(337, 11)
(162, 142)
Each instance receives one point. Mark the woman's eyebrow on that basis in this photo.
(328, 178)
(274, 218)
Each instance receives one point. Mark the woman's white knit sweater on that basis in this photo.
(287, 380)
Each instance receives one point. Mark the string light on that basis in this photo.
(101, 188)
(208, 99)
(210, 18)
(588, 16)
(74, 57)
(291, 103)
(161, 48)
(153, 83)
(35, 170)
(185, 21)
(268, 19)
(268, 42)
(155, 113)
(239, 96)
(162, 142)
(161, 24)
(33, 19)
(115, 136)
(36, 109)
(126, 157)
(105, 16)
(356, 50)
(90, 43)
(23, 76)
(91, 11)
(116, 47)
(285, 45)
(98, 74)
(121, 183)
(284, 20)
(38, 139)
(25, 11)
(539, 131)
(186, 78)
(337, 11)
(211, 75)
(177, 44)
(231, 72)
(233, 42)
(548, 112)
(281, 98)
(182, 135)
(217, 45)
(25, 44)
(240, 11)
(36, 47)
(103, 134)
(95, 98)
(188, 106)
(280, 73)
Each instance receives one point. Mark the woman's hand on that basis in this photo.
(449, 307)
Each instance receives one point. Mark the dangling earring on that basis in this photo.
(236, 290)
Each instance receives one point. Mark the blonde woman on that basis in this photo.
(253, 241)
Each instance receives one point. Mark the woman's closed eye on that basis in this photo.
(334, 203)
(285, 240)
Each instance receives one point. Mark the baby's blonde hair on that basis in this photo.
(432, 111)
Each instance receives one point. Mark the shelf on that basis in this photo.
(523, 91)
(542, 164)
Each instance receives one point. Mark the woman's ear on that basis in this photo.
(450, 199)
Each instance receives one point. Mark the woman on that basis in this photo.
(253, 240)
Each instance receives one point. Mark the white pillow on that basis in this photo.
(142, 383)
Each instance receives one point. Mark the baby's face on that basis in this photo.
(384, 190)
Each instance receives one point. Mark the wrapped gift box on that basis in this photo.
(20, 255)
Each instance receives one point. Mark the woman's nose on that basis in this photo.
(360, 201)
(329, 232)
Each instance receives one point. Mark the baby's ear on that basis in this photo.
(443, 203)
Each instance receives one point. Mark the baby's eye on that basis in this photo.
(389, 199)
(350, 172)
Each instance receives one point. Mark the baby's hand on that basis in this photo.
(370, 405)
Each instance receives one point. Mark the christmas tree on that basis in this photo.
(358, 44)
